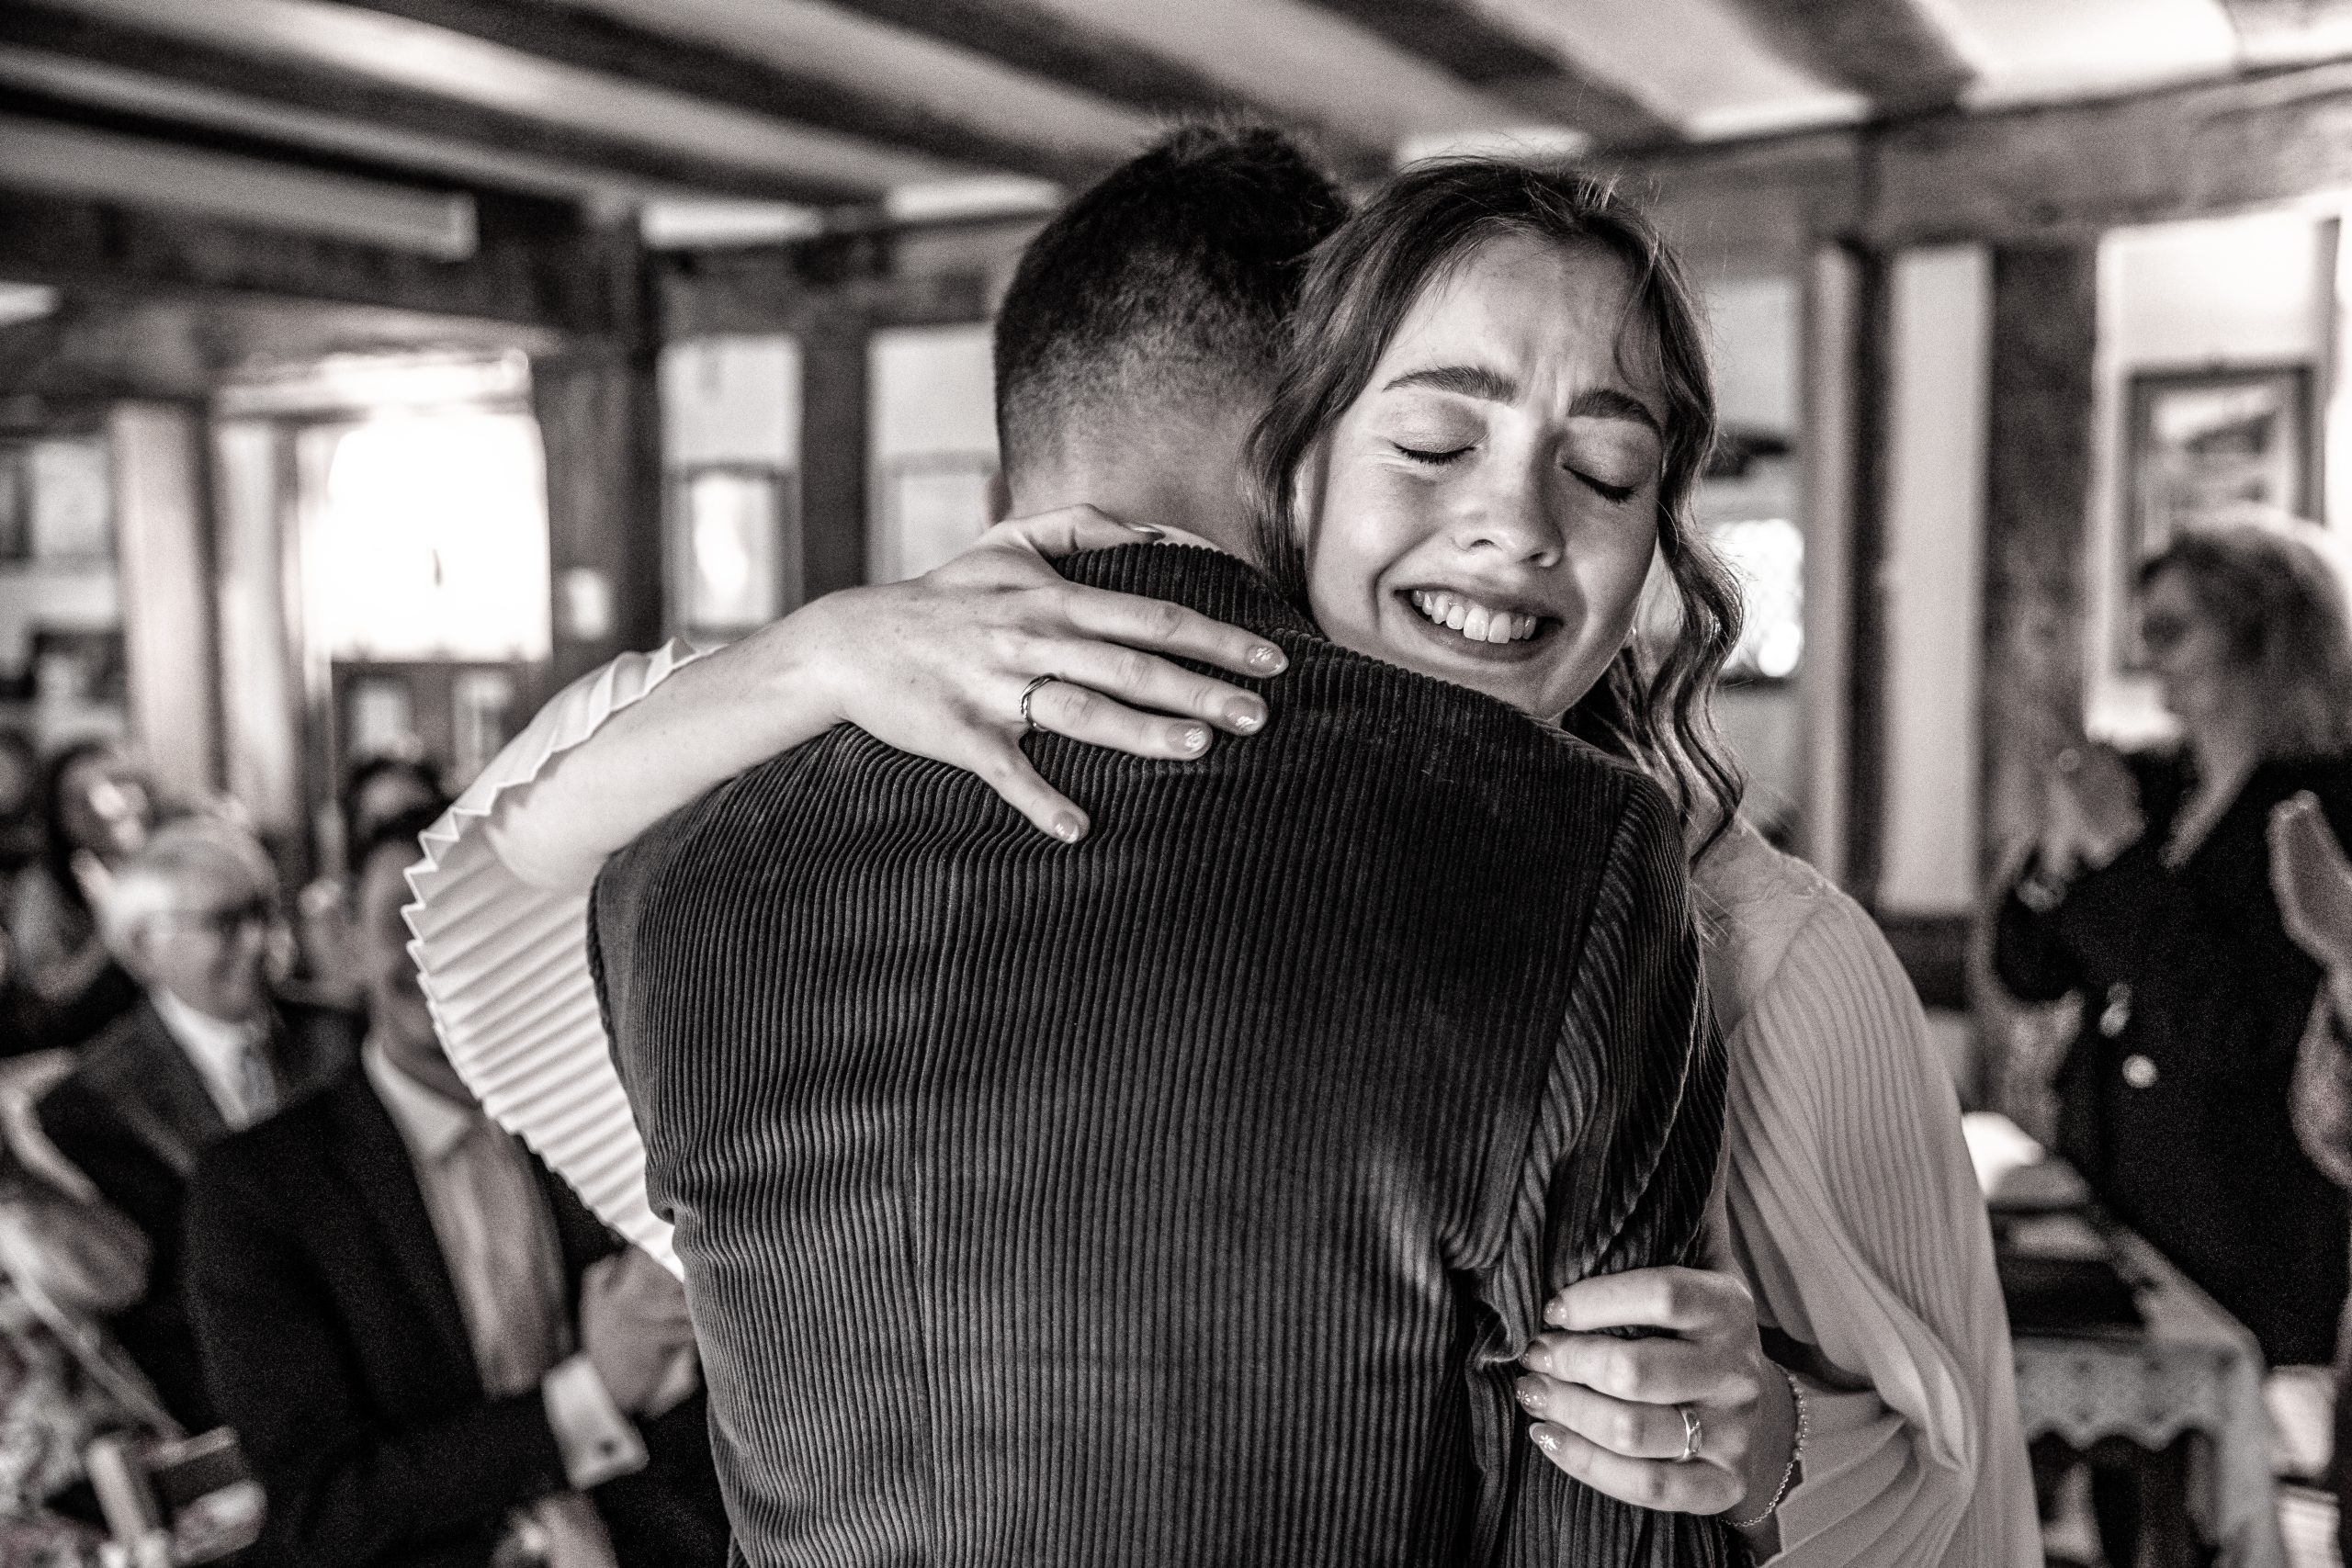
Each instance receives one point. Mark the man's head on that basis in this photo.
(399, 1020)
(1154, 305)
(193, 911)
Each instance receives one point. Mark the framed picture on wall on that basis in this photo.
(931, 507)
(2204, 443)
(734, 548)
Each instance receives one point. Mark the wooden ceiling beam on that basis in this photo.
(581, 282)
(1888, 50)
(596, 41)
(35, 23)
(1042, 43)
(1455, 36)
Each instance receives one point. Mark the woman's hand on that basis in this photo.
(2312, 881)
(936, 665)
(2092, 810)
(1610, 1411)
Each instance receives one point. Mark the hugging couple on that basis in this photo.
(1383, 1105)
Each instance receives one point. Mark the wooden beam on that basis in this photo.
(1886, 49)
(1459, 37)
(2076, 169)
(576, 280)
(595, 40)
(38, 24)
(1045, 44)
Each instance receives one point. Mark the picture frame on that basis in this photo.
(2203, 444)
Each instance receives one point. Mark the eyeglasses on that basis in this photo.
(223, 923)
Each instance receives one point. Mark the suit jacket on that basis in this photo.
(1184, 1196)
(2175, 1096)
(133, 1116)
(337, 1348)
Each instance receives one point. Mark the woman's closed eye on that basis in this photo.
(1435, 457)
(1602, 488)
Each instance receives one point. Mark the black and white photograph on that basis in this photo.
(1175, 783)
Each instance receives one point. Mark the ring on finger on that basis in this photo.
(1030, 691)
(1691, 1433)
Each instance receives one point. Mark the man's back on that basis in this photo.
(1184, 1196)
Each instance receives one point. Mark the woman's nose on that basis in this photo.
(1512, 517)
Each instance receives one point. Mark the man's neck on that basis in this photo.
(1171, 474)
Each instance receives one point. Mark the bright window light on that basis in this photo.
(433, 540)
(1768, 556)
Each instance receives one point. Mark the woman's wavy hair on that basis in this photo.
(1360, 285)
(2278, 600)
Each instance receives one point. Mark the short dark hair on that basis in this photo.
(1165, 281)
(363, 773)
(1423, 223)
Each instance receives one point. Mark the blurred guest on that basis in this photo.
(377, 790)
(2149, 893)
(433, 1353)
(205, 1049)
(65, 984)
(64, 1262)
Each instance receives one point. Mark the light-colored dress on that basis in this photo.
(1850, 1204)
(1853, 1211)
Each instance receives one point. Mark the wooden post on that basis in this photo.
(168, 612)
(600, 424)
(833, 453)
(2037, 495)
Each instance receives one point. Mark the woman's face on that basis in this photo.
(2198, 675)
(1486, 510)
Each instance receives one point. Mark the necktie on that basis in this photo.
(508, 1287)
(256, 1085)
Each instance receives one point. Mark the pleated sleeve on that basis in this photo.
(1853, 1211)
(504, 966)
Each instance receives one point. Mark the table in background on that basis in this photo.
(2182, 1387)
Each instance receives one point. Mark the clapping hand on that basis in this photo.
(2091, 811)
(1611, 1411)
(2312, 881)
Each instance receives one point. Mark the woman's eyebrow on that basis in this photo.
(1466, 381)
(1607, 402)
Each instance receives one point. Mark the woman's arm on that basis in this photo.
(935, 666)
(501, 915)
(1855, 1214)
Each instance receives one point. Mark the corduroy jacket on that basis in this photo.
(1184, 1196)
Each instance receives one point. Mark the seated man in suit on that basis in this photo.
(192, 915)
(1022, 1188)
(433, 1354)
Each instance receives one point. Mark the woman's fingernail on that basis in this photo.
(1545, 1440)
(1267, 657)
(1531, 1394)
(1535, 1359)
(1245, 716)
(1147, 530)
(1069, 829)
(1193, 738)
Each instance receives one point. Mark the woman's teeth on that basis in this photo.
(1474, 620)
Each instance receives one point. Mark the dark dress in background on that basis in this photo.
(2174, 1098)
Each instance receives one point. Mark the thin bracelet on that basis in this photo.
(1796, 1458)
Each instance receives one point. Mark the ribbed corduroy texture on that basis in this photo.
(1180, 1198)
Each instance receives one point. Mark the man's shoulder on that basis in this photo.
(267, 1154)
(119, 1060)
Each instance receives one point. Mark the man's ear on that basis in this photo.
(1000, 497)
(129, 946)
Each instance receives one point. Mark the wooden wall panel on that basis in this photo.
(600, 423)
